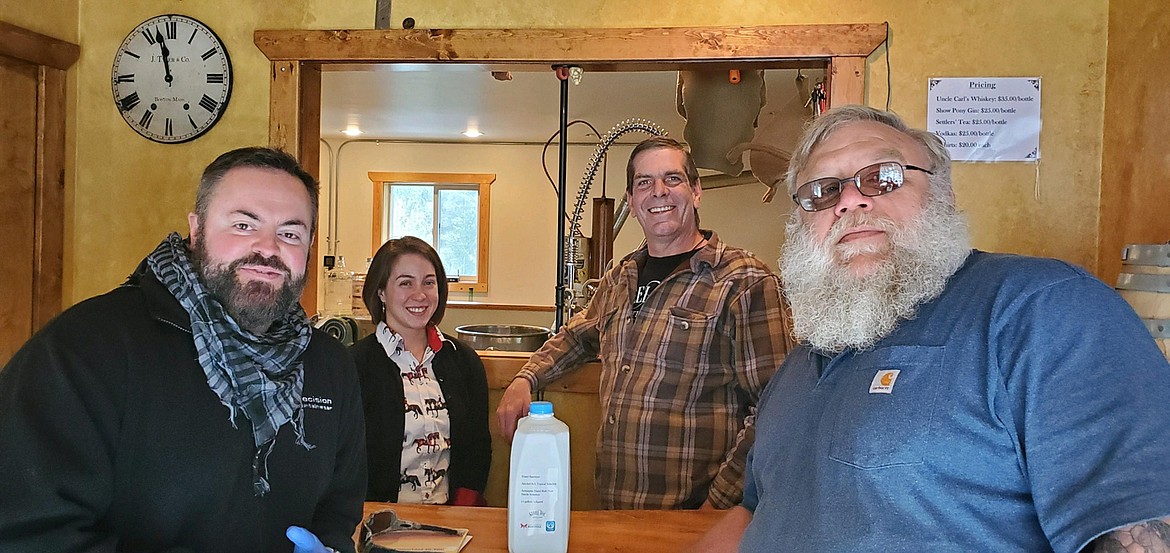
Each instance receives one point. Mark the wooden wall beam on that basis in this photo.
(36, 48)
(677, 44)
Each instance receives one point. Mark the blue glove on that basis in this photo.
(304, 541)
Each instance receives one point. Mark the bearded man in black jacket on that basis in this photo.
(193, 408)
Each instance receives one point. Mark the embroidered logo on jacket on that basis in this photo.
(883, 381)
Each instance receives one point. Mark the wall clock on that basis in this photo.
(172, 79)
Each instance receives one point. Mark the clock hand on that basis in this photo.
(165, 54)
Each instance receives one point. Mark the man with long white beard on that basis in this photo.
(943, 398)
(193, 408)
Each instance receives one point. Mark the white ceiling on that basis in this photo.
(438, 102)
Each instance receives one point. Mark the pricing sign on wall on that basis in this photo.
(986, 119)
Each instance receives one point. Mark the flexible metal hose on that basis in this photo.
(617, 131)
(629, 125)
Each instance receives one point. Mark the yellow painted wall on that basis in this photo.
(129, 192)
(55, 18)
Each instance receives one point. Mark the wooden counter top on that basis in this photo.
(501, 366)
(589, 531)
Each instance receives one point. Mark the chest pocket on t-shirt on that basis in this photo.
(887, 402)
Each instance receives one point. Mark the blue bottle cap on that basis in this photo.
(540, 408)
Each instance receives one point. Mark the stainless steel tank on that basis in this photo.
(503, 337)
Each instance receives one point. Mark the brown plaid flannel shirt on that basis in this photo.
(679, 380)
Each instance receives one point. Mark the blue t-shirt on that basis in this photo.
(1025, 409)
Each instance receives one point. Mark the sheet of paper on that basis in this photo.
(986, 119)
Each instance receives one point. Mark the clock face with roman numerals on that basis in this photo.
(172, 79)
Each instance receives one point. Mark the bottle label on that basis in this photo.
(538, 495)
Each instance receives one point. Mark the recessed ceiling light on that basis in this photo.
(472, 133)
(352, 130)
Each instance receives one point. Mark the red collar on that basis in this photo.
(434, 338)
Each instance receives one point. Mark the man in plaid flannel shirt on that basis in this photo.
(688, 330)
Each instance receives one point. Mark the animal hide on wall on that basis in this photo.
(719, 114)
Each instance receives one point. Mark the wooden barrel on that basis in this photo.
(1145, 283)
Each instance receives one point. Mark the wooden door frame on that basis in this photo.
(298, 56)
(53, 58)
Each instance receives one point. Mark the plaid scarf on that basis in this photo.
(259, 377)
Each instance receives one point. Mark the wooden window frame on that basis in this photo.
(483, 181)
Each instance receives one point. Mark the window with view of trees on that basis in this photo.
(447, 210)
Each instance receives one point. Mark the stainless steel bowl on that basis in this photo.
(503, 337)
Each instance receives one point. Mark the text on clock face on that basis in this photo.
(171, 79)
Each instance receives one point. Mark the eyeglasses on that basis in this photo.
(874, 180)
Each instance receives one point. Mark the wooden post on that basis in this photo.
(49, 244)
(294, 125)
(846, 77)
(33, 68)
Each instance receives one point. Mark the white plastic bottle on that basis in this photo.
(538, 483)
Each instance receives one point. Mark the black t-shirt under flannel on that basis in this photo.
(652, 270)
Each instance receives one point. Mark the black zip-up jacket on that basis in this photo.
(111, 440)
(464, 383)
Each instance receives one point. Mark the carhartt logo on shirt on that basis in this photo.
(883, 381)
